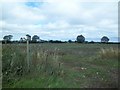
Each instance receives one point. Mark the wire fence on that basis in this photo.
(22, 59)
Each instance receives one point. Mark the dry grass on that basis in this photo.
(46, 60)
(109, 52)
(41, 61)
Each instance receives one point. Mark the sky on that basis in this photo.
(60, 19)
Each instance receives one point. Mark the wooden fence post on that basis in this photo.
(28, 56)
(1, 74)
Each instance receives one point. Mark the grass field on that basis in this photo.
(66, 65)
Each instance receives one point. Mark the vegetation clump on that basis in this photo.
(109, 52)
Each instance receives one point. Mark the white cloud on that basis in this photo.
(61, 19)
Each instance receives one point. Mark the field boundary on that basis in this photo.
(0, 66)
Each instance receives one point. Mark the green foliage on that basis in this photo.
(80, 39)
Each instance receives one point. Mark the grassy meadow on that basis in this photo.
(64, 65)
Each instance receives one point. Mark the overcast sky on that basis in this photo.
(60, 19)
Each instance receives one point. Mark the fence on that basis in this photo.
(22, 59)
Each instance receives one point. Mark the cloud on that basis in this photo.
(58, 19)
(21, 14)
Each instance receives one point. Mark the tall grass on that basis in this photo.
(109, 52)
(13, 62)
(51, 65)
(46, 61)
(41, 61)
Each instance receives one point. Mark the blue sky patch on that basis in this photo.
(34, 4)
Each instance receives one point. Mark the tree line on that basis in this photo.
(36, 39)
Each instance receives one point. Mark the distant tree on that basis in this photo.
(51, 41)
(86, 41)
(7, 38)
(57, 41)
(15, 41)
(104, 39)
(92, 42)
(43, 41)
(80, 39)
(28, 37)
(22, 40)
(70, 41)
(35, 38)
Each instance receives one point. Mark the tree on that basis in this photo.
(51, 41)
(35, 38)
(7, 38)
(104, 39)
(80, 39)
(22, 40)
(70, 41)
(92, 42)
(28, 37)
